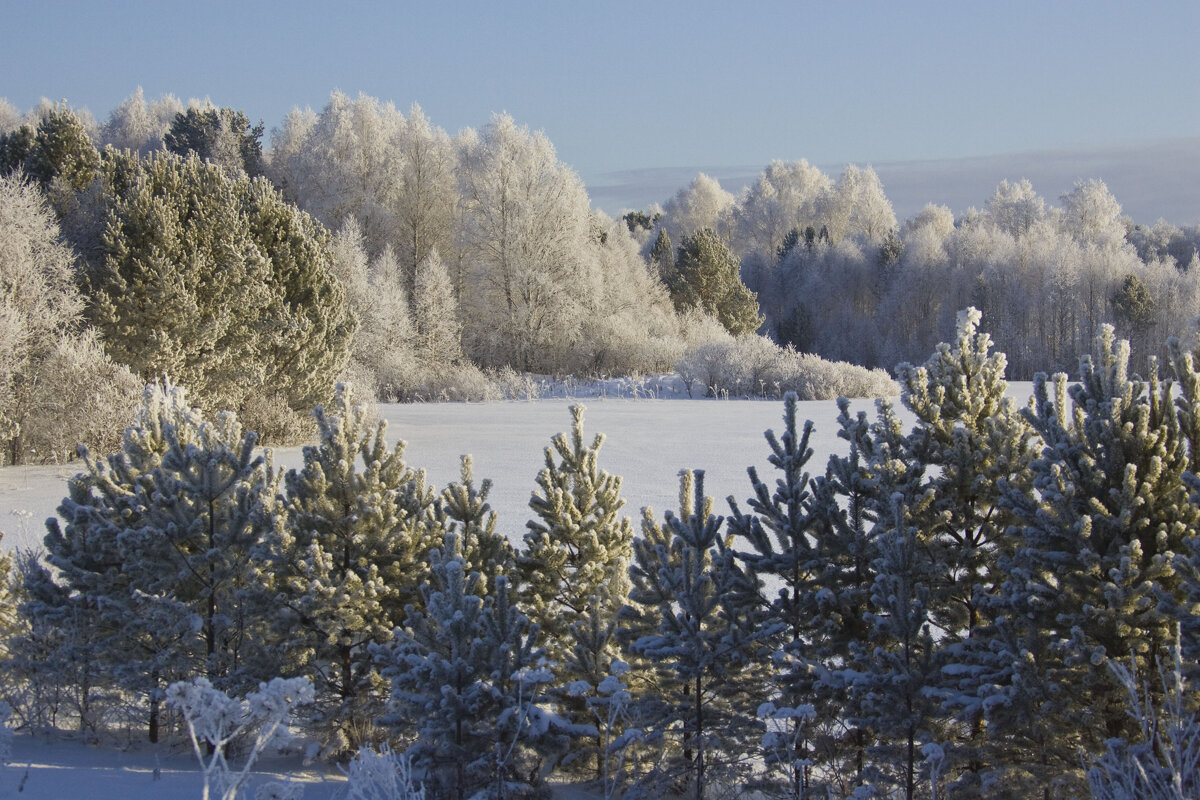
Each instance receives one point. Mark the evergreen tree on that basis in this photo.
(462, 673)
(704, 609)
(154, 561)
(59, 149)
(577, 552)
(220, 136)
(1096, 536)
(780, 530)
(463, 509)
(575, 564)
(970, 436)
(349, 548)
(218, 284)
(892, 671)
(707, 277)
(662, 256)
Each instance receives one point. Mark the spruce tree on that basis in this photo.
(348, 549)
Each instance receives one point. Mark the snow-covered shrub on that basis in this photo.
(381, 775)
(216, 719)
(1165, 764)
(753, 366)
(461, 382)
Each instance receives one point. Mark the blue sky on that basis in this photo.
(624, 89)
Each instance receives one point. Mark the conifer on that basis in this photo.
(348, 549)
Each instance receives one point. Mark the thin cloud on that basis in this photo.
(1151, 180)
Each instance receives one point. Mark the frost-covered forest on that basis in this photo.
(942, 609)
(365, 243)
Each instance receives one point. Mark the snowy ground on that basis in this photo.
(648, 441)
(46, 770)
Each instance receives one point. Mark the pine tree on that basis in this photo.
(704, 609)
(662, 256)
(577, 551)
(970, 436)
(155, 557)
(707, 277)
(779, 530)
(348, 549)
(462, 670)
(463, 509)
(1107, 514)
(217, 283)
(892, 671)
(575, 563)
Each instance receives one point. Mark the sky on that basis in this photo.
(944, 99)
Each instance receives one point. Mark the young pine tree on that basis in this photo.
(460, 672)
(155, 560)
(1095, 540)
(697, 610)
(463, 509)
(781, 530)
(348, 549)
(577, 551)
(575, 563)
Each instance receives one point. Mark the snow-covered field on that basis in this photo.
(647, 442)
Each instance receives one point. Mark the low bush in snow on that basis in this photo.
(754, 366)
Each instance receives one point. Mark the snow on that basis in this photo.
(647, 442)
(51, 770)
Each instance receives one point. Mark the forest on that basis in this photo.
(953, 608)
(368, 245)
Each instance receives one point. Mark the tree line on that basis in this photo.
(367, 244)
(930, 612)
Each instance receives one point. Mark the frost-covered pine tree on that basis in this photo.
(970, 436)
(781, 528)
(577, 551)
(892, 671)
(697, 611)
(155, 559)
(845, 516)
(347, 551)
(1095, 540)
(463, 509)
(575, 564)
(460, 672)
